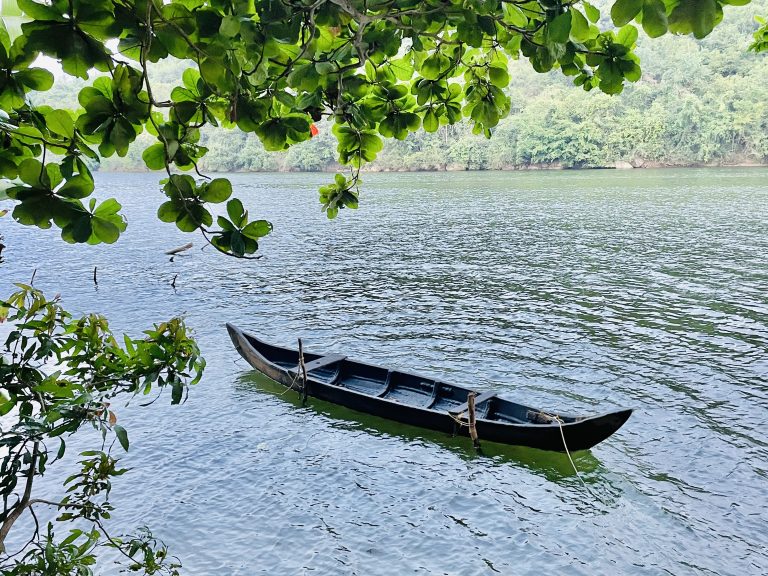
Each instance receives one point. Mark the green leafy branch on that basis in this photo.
(57, 374)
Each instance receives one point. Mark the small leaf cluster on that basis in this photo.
(114, 111)
(240, 236)
(612, 60)
(696, 17)
(187, 206)
(341, 194)
(52, 193)
(72, 555)
(761, 36)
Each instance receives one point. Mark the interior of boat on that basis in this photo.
(403, 387)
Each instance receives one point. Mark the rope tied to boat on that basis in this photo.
(556, 418)
(301, 373)
(458, 419)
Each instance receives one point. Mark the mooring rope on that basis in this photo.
(568, 452)
(458, 419)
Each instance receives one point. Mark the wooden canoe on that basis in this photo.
(422, 401)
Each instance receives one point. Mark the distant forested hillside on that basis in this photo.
(698, 103)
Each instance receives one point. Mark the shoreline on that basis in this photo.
(622, 166)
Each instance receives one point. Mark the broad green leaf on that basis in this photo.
(122, 436)
(28, 135)
(624, 11)
(214, 73)
(627, 36)
(434, 65)
(60, 122)
(498, 76)
(430, 123)
(78, 231)
(693, 16)
(579, 25)
(230, 26)
(39, 11)
(168, 211)
(181, 185)
(216, 190)
(514, 15)
(35, 79)
(225, 224)
(5, 38)
(30, 171)
(78, 186)
(593, 14)
(105, 230)
(107, 208)
(654, 18)
(154, 156)
(469, 33)
(237, 243)
(192, 216)
(257, 229)
(236, 212)
(560, 28)
(403, 68)
(52, 177)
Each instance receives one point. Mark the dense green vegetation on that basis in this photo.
(699, 102)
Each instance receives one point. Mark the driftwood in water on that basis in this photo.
(96, 282)
(179, 249)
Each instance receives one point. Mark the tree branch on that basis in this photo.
(22, 504)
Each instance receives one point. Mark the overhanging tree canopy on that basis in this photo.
(380, 68)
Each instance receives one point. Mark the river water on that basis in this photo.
(579, 291)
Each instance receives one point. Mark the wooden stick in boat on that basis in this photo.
(472, 421)
(179, 249)
(303, 369)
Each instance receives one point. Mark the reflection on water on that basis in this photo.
(577, 291)
(552, 465)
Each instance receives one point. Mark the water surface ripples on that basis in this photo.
(572, 290)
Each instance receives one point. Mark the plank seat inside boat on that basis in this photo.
(410, 389)
(484, 397)
(322, 362)
(364, 379)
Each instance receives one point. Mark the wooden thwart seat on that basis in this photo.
(485, 396)
(320, 362)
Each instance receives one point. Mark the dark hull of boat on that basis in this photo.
(420, 401)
